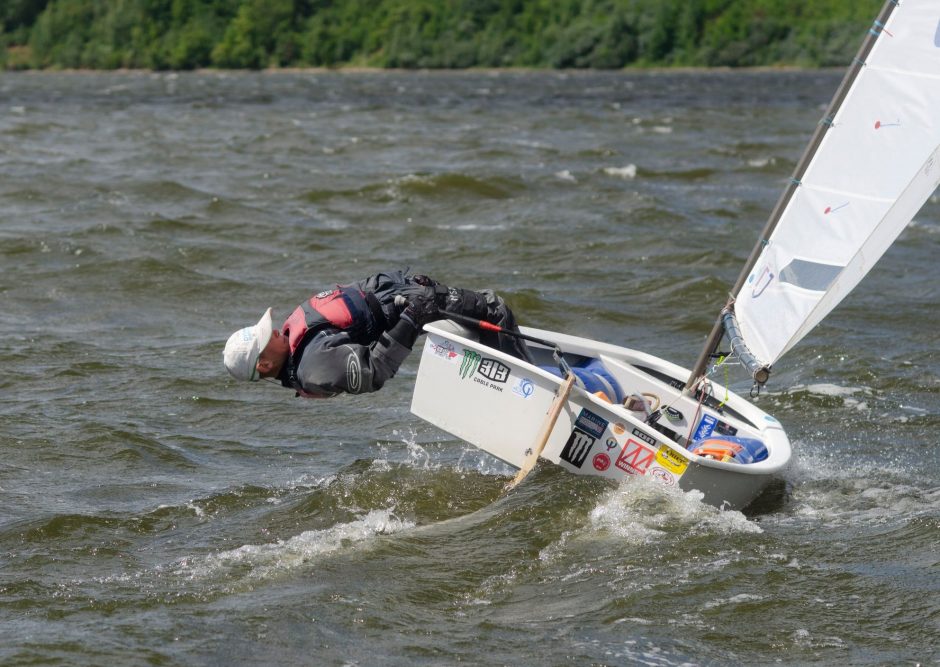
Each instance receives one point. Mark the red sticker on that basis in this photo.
(635, 458)
(601, 462)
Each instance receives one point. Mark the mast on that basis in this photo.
(761, 372)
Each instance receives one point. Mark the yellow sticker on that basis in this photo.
(670, 460)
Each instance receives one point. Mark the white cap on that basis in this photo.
(245, 346)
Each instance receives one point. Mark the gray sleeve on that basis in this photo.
(332, 363)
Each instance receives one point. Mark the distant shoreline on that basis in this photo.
(435, 71)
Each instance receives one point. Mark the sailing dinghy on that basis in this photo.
(870, 166)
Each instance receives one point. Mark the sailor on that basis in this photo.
(353, 338)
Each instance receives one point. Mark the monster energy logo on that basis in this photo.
(471, 361)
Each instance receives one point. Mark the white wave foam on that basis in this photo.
(825, 389)
(642, 509)
(759, 163)
(627, 172)
(837, 491)
(266, 560)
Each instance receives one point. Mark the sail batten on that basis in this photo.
(863, 180)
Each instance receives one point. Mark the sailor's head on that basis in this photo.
(244, 348)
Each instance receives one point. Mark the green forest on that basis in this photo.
(601, 34)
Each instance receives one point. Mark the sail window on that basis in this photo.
(810, 275)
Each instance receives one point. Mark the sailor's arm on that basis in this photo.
(333, 363)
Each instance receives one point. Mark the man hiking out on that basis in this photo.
(354, 337)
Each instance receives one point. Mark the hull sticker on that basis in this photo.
(445, 350)
(670, 460)
(705, 427)
(645, 437)
(591, 423)
(577, 448)
(635, 458)
(524, 387)
(601, 462)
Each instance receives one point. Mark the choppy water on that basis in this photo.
(153, 512)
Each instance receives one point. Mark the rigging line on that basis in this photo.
(704, 391)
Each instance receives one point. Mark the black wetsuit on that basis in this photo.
(330, 360)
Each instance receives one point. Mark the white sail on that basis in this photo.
(873, 170)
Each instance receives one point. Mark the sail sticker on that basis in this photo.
(705, 427)
(879, 124)
(834, 209)
(591, 423)
(577, 448)
(810, 275)
(524, 387)
(601, 462)
(761, 283)
(635, 458)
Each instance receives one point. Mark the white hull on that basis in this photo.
(499, 404)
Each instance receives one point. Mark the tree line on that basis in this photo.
(602, 34)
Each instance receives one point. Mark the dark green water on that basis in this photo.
(154, 512)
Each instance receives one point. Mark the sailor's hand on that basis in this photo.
(421, 310)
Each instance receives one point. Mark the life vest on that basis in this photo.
(346, 308)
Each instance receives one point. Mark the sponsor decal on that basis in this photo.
(524, 387)
(353, 373)
(612, 444)
(663, 476)
(670, 460)
(879, 124)
(471, 361)
(325, 293)
(929, 165)
(722, 428)
(834, 209)
(493, 370)
(619, 429)
(760, 282)
(601, 462)
(591, 423)
(646, 437)
(635, 458)
(705, 427)
(444, 350)
(577, 448)
(474, 364)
